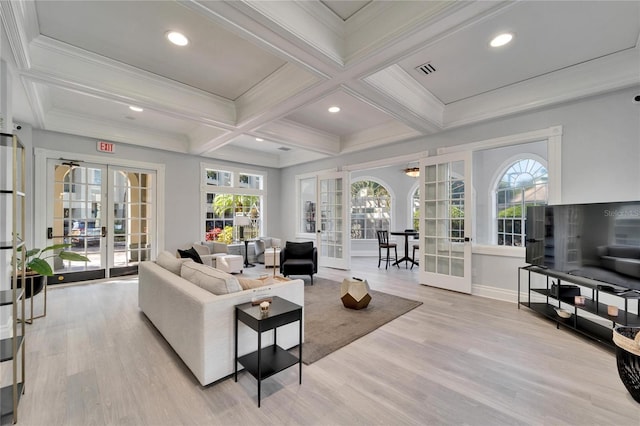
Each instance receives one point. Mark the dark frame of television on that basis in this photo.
(597, 241)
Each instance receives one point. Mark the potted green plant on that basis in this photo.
(36, 266)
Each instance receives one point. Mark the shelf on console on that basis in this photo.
(600, 309)
(582, 325)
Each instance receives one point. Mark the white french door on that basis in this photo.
(445, 221)
(106, 213)
(332, 220)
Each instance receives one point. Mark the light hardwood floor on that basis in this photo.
(457, 359)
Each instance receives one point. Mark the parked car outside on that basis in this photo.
(79, 234)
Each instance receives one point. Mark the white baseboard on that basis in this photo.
(494, 293)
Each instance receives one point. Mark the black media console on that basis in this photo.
(591, 318)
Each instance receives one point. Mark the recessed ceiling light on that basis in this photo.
(177, 38)
(334, 109)
(259, 140)
(501, 40)
(135, 108)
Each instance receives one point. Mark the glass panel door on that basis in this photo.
(445, 247)
(332, 221)
(77, 218)
(132, 225)
(105, 213)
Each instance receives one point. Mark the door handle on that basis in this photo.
(50, 235)
(103, 231)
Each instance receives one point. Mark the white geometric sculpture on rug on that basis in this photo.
(354, 293)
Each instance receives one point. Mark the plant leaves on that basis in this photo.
(73, 257)
(40, 266)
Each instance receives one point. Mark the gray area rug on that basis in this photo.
(329, 325)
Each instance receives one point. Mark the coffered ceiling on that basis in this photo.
(271, 69)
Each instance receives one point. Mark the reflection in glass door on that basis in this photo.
(445, 247)
(77, 218)
(333, 246)
(104, 213)
(133, 221)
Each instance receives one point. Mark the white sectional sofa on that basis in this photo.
(198, 324)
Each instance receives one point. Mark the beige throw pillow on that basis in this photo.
(210, 279)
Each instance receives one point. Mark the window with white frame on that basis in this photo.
(227, 194)
(370, 209)
(523, 184)
(415, 209)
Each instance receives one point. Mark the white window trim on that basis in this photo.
(412, 191)
(391, 195)
(553, 136)
(233, 189)
(495, 180)
(306, 235)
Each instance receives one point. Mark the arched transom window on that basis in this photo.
(370, 209)
(523, 184)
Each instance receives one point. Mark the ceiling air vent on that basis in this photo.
(427, 68)
(284, 148)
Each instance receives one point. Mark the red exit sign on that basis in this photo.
(106, 147)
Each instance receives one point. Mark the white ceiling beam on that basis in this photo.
(73, 68)
(383, 134)
(76, 124)
(398, 85)
(294, 134)
(281, 85)
(248, 156)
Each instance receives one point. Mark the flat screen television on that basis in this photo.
(600, 241)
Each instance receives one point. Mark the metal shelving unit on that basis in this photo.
(578, 321)
(12, 348)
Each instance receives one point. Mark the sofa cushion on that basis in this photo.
(215, 247)
(190, 254)
(259, 247)
(170, 262)
(210, 279)
(299, 250)
(629, 252)
(201, 249)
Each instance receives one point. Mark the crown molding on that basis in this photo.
(38, 99)
(387, 22)
(77, 124)
(377, 136)
(294, 134)
(17, 31)
(245, 156)
(300, 21)
(568, 84)
(66, 66)
(398, 85)
(202, 136)
(284, 83)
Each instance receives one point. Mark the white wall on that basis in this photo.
(182, 184)
(600, 162)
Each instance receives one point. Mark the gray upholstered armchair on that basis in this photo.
(299, 259)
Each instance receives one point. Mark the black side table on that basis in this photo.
(272, 359)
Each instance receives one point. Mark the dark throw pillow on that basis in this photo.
(299, 250)
(190, 254)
